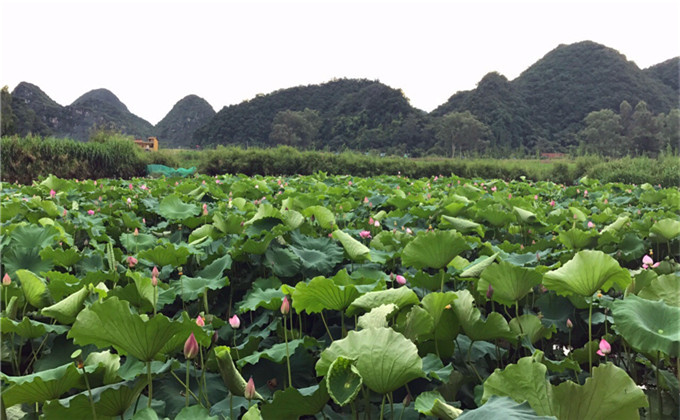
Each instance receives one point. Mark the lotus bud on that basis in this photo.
(285, 306)
(154, 276)
(214, 338)
(570, 325)
(605, 348)
(235, 322)
(6, 280)
(489, 292)
(136, 232)
(132, 261)
(365, 234)
(90, 212)
(407, 400)
(205, 209)
(200, 321)
(53, 193)
(250, 389)
(401, 279)
(191, 347)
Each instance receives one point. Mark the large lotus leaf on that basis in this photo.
(318, 261)
(292, 404)
(530, 326)
(433, 249)
(608, 394)
(664, 230)
(28, 328)
(665, 288)
(110, 323)
(195, 412)
(377, 317)
(401, 297)
(436, 303)
(385, 359)
(577, 239)
(503, 408)
(419, 323)
(173, 208)
(343, 381)
(268, 298)
(463, 225)
(66, 310)
(277, 352)
(18, 258)
(523, 381)
(253, 413)
(524, 216)
(190, 288)
(431, 403)
(57, 184)
(216, 268)
(42, 386)
(110, 401)
(510, 282)
(282, 261)
(355, 249)
(586, 273)
(322, 215)
(33, 236)
(648, 326)
(62, 257)
(230, 375)
(494, 326)
(477, 267)
(34, 288)
(167, 254)
(617, 224)
(322, 293)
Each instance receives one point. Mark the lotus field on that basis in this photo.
(339, 297)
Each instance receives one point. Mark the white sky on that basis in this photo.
(152, 53)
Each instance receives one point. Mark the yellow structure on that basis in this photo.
(149, 144)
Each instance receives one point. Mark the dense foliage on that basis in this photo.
(339, 297)
(178, 127)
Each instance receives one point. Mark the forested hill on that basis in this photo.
(188, 115)
(344, 113)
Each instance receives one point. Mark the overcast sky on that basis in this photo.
(152, 53)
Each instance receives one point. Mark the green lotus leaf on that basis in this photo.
(318, 261)
(110, 323)
(64, 258)
(503, 408)
(586, 273)
(401, 297)
(377, 317)
(530, 326)
(110, 363)
(265, 211)
(648, 326)
(433, 249)
(475, 269)
(34, 288)
(510, 282)
(15, 259)
(166, 254)
(322, 215)
(28, 328)
(524, 216)
(578, 214)
(42, 386)
(617, 224)
(496, 216)
(462, 225)
(195, 412)
(230, 224)
(190, 288)
(418, 324)
(665, 229)
(355, 249)
(385, 359)
(577, 239)
(230, 375)
(253, 413)
(255, 298)
(54, 183)
(608, 394)
(33, 236)
(282, 261)
(494, 326)
(431, 403)
(110, 401)
(665, 288)
(322, 293)
(276, 353)
(343, 381)
(66, 310)
(292, 404)
(216, 268)
(147, 413)
(436, 303)
(523, 381)
(205, 231)
(173, 208)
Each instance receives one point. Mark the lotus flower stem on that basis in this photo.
(658, 383)
(590, 336)
(205, 302)
(326, 325)
(89, 392)
(382, 407)
(189, 390)
(186, 386)
(150, 383)
(285, 338)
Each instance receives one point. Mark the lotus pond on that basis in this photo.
(339, 297)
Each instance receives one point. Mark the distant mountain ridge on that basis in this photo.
(542, 109)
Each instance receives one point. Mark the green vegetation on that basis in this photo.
(188, 115)
(339, 297)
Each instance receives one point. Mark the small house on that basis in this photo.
(151, 143)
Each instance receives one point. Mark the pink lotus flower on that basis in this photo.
(535, 196)
(552, 203)
(129, 201)
(154, 276)
(570, 325)
(235, 322)
(132, 261)
(370, 220)
(376, 223)
(200, 321)
(130, 186)
(6, 280)
(285, 306)
(365, 199)
(53, 193)
(509, 196)
(648, 262)
(136, 232)
(605, 348)
(249, 393)
(191, 347)
(400, 279)
(64, 213)
(365, 234)
(591, 225)
(205, 209)
(492, 188)
(90, 212)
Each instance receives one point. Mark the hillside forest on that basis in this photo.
(583, 98)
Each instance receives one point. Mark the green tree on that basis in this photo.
(602, 134)
(7, 116)
(296, 128)
(670, 130)
(462, 131)
(644, 134)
